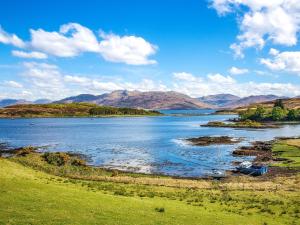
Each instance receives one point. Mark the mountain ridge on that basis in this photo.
(155, 100)
(138, 99)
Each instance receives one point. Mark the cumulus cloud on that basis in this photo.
(72, 39)
(29, 55)
(10, 39)
(185, 76)
(128, 49)
(283, 61)
(237, 71)
(43, 80)
(260, 21)
(218, 78)
(219, 84)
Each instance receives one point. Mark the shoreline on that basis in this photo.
(262, 151)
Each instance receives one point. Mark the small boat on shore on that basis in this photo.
(217, 174)
(253, 170)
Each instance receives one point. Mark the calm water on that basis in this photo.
(141, 144)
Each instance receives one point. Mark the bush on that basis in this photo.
(161, 210)
(77, 162)
(25, 151)
(56, 158)
(293, 115)
(115, 173)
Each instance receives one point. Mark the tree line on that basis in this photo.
(277, 113)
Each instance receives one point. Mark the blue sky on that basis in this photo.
(53, 49)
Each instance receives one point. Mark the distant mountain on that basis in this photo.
(8, 102)
(42, 101)
(253, 99)
(80, 98)
(145, 100)
(290, 103)
(219, 100)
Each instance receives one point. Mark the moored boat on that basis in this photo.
(254, 170)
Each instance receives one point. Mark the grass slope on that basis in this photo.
(29, 196)
(288, 149)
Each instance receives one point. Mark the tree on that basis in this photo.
(278, 113)
(247, 115)
(279, 103)
(260, 114)
(293, 114)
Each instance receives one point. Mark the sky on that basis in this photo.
(56, 49)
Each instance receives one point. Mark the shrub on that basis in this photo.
(56, 158)
(115, 173)
(78, 162)
(161, 210)
(25, 151)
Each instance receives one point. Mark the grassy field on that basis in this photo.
(30, 196)
(290, 150)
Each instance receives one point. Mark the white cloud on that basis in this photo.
(10, 39)
(283, 61)
(13, 84)
(218, 78)
(42, 80)
(273, 51)
(260, 21)
(128, 49)
(220, 84)
(76, 79)
(237, 71)
(72, 39)
(184, 76)
(29, 55)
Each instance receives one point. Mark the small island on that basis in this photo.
(207, 140)
(70, 110)
(261, 117)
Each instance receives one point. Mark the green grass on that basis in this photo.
(287, 149)
(29, 196)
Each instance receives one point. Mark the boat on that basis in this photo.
(250, 169)
(217, 174)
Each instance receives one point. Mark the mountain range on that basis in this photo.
(156, 100)
(229, 101)
(145, 100)
(8, 102)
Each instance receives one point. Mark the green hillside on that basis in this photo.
(70, 110)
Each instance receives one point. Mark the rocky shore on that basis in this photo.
(241, 125)
(207, 140)
(262, 151)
